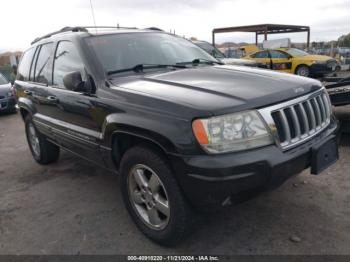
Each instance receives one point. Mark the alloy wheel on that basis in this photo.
(34, 140)
(148, 197)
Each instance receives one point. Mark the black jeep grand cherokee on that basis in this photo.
(183, 131)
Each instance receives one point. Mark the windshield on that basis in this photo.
(126, 50)
(3, 80)
(210, 49)
(296, 52)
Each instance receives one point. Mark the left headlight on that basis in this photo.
(232, 132)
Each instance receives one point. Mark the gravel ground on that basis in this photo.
(72, 207)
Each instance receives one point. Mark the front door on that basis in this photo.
(73, 115)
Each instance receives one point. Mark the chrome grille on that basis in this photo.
(298, 120)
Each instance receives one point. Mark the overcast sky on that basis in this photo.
(21, 21)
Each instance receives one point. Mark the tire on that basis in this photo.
(303, 70)
(170, 229)
(43, 151)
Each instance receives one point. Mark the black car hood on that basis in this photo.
(220, 89)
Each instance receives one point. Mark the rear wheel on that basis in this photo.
(303, 70)
(152, 196)
(43, 151)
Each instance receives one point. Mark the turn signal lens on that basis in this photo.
(199, 132)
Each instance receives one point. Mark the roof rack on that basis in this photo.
(78, 29)
(64, 29)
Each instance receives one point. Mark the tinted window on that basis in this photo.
(3, 80)
(31, 74)
(262, 54)
(210, 49)
(278, 54)
(67, 60)
(42, 68)
(24, 66)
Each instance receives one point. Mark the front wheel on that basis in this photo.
(152, 196)
(43, 151)
(303, 70)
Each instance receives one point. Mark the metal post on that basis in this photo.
(213, 38)
(308, 39)
(256, 38)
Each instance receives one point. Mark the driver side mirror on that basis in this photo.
(73, 81)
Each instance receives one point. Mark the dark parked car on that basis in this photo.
(7, 98)
(213, 51)
(183, 132)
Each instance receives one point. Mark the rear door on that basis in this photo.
(23, 85)
(41, 78)
(262, 57)
(281, 61)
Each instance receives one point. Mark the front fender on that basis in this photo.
(171, 134)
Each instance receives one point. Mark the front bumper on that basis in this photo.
(210, 180)
(321, 69)
(7, 104)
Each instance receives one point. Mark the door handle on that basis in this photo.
(27, 92)
(52, 98)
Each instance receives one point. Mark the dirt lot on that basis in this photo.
(72, 207)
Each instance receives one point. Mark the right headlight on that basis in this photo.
(232, 132)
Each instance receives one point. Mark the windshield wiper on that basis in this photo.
(140, 67)
(201, 61)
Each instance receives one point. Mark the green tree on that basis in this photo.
(344, 40)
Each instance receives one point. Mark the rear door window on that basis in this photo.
(262, 54)
(43, 71)
(278, 54)
(32, 68)
(25, 64)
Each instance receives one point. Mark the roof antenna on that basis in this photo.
(93, 15)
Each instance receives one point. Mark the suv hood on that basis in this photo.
(219, 89)
(238, 61)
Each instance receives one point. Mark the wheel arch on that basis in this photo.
(25, 107)
(123, 140)
(162, 133)
(300, 65)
